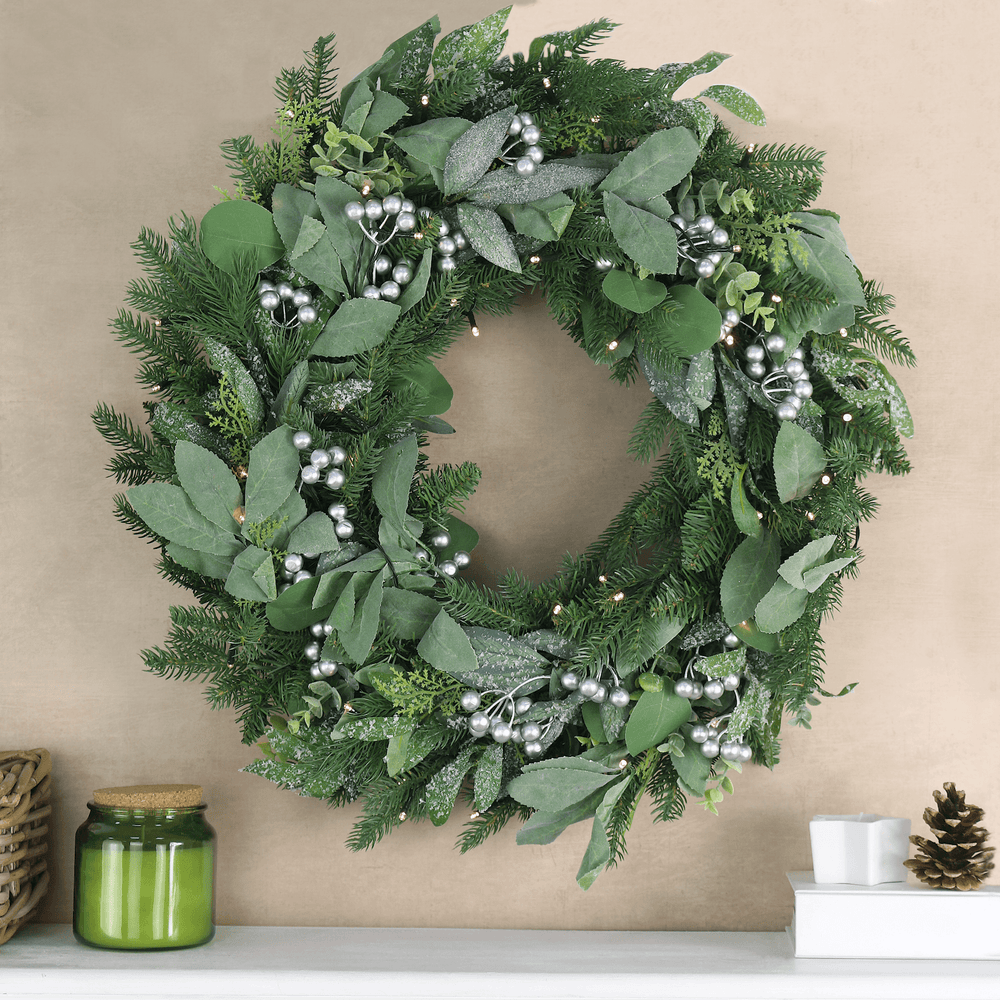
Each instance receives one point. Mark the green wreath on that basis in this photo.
(291, 364)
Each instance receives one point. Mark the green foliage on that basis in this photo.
(419, 690)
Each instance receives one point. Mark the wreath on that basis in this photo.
(288, 344)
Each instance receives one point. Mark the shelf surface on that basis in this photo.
(44, 961)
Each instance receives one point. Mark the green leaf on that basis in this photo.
(343, 235)
(431, 141)
(738, 101)
(749, 575)
(476, 44)
(252, 576)
(694, 768)
(670, 388)
(660, 163)
(203, 563)
(489, 776)
(355, 107)
(291, 391)
(811, 554)
(235, 230)
(225, 361)
(416, 289)
(580, 763)
(464, 538)
(314, 535)
(437, 393)
(700, 380)
(392, 481)
(693, 326)
(292, 610)
(780, 606)
(323, 265)
(357, 640)
(654, 717)
(407, 59)
(488, 236)
(744, 513)
(592, 720)
(679, 73)
(443, 787)
(168, 511)
(447, 648)
(358, 325)
(273, 469)
(309, 235)
(799, 461)
(397, 754)
(209, 484)
(552, 789)
(290, 514)
(507, 187)
(832, 266)
(331, 587)
(472, 153)
(291, 207)
(342, 614)
(385, 111)
(649, 240)
(816, 576)
(407, 615)
(638, 295)
(598, 853)
(543, 827)
(821, 225)
(753, 636)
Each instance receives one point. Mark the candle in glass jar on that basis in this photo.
(861, 849)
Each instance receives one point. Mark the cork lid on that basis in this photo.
(149, 796)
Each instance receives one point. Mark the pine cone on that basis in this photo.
(958, 860)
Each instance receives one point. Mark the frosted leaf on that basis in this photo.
(489, 776)
(669, 389)
(752, 711)
(327, 398)
(710, 630)
(444, 785)
(176, 425)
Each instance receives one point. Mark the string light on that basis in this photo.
(366, 188)
(619, 596)
(843, 331)
(474, 814)
(613, 345)
(810, 516)
(239, 515)
(557, 609)
(595, 119)
(534, 259)
(454, 302)
(157, 323)
(775, 298)
(472, 324)
(157, 388)
(751, 147)
(847, 418)
(622, 764)
(603, 578)
(546, 82)
(826, 479)
(760, 515)
(418, 236)
(424, 100)
(737, 248)
(348, 707)
(730, 340)
(475, 331)
(402, 816)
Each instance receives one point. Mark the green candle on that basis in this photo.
(144, 878)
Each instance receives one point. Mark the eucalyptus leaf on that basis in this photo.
(397, 753)
(670, 388)
(506, 186)
(476, 44)
(661, 162)
(273, 469)
(238, 230)
(293, 610)
(472, 152)
(224, 361)
(309, 235)
(677, 74)
(694, 768)
(832, 266)
(407, 615)
(431, 141)
(291, 206)
(814, 578)
(700, 380)
(169, 512)
(693, 325)
(291, 391)
(654, 717)
(637, 295)
(386, 110)
(749, 575)
(799, 461)
(744, 513)
(543, 827)
(591, 713)
(736, 100)
(489, 776)
(811, 554)
(338, 396)
(649, 240)
(392, 481)
(328, 591)
(506, 662)
(447, 648)
(598, 854)
(288, 516)
(202, 563)
(552, 789)
(826, 226)
(315, 534)
(407, 59)
(436, 392)
(358, 325)
(782, 605)
(417, 287)
(488, 236)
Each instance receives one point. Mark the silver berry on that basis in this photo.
(402, 273)
(311, 652)
(732, 641)
(270, 300)
(531, 731)
(756, 369)
(588, 687)
(775, 343)
(303, 574)
(569, 681)
(392, 204)
(354, 210)
(439, 540)
(705, 268)
(470, 700)
(533, 749)
(684, 687)
(406, 222)
(479, 722)
(700, 733)
(344, 529)
(522, 705)
(730, 751)
(307, 314)
(531, 134)
(320, 458)
(714, 689)
(390, 290)
(373, 209)
(525, 166)
(461, 559)
(448, 567)
(710, 748)
(697, 690)
(731, 682)
(335, 479)
(619, 697)
(293, 562)
(328, 667)
(338, 511)
(501, 731)
(337, 455)
(310, 474)
(302, 440)
(755, 352)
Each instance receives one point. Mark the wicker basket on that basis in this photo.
(24, 796)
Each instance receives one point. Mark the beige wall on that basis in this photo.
(113, 112)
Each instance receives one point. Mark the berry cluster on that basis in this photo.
(287, 305)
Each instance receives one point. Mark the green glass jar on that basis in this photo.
(145, 869)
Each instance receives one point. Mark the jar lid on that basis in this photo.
(149, 796)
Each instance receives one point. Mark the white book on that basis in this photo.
(893, 920)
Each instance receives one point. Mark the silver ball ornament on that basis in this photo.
(335, 479)
(315, 673)
(619, 697)
(302, 440)
(798, 353)
(732, 641)
(531, 731)
(705, 268)
(718, 237)
(731, 317)
(588, 687)
(705, 223)
(745, 754)
(285, 290)
(311, 652)
(443, 228)
(354, 210)
(479, 722)
(337, 455)
(392, 204)
(328, 629)
(310, 474)
(446, 264)
(407, 206)
(522, 705)
(731, 681)
(461, 559)
(390, 291)
(382, 264)
(525, 166)
(439, 540)
(569, 681)
(338, 511)
(373, 209)
(270, 301)
(792, 400)
(470, 700)
(317, 630)
(535, 153)
(794, 368)
(600, 695)
(515, 735)
(699, 734)
(448, 567)
(714, 690)
(501, 731)
(786, 412)
(459, 237)
(320, 458)
(307, 314)
(515, 126)
(292, 562)
(755, 352)
(264, 286)
(402, 273)
(371, 292)
(756, 369)
(715, 257)
(775, 343)
(530, 135)
(533, 749)
(301, 297)
(344, 529)
(527, 119)
(684, 687)
(303, 574)
(730, 751)
(406, 222)
(710, 748)
(328, 667)
(697, 690)
(803, 388)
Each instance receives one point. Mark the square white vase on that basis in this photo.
(862, 849)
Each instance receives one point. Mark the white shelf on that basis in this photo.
(44, 961)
